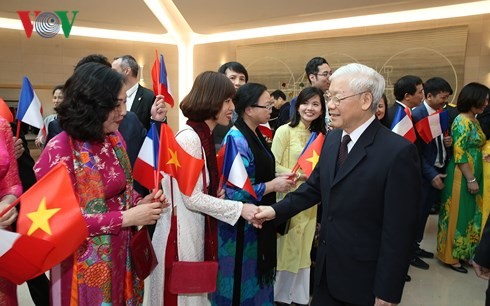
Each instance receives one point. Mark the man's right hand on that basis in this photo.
(438, 181)
(266, 213)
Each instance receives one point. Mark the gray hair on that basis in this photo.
(362, 78)
(127, 61)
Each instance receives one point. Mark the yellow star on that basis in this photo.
(173, 160)
(40, 218)
(313, 159)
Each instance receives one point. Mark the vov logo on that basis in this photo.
(47, 24)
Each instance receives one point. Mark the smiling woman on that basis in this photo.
(96, 157)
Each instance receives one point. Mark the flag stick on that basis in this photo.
(9, 207)
(17, 134)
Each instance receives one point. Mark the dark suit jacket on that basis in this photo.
(428, 150)
(143, 100)
(369, 214)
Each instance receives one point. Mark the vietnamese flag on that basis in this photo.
(176, 162)
(160, 79)
(50, 211)
(22, 257)
(309, 158)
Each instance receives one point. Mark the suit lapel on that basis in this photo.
(332, 151)
(358, 152)
(137, 99)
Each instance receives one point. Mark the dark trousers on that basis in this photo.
(429, 196)
(323, 297)
(39, 290)
(487, 298)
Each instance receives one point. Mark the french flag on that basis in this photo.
(432, 126)
(233, 171)
(17, 259)
(145, 166)
(160, 79)
(403, 125)
(30, 110)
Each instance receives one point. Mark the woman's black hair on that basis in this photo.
(90, 94)
(317, 125)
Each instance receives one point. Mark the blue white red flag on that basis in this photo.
(403, 125)
(160, 79)
(145, 166)
(30, 110)
(432, 126)
(234, 172)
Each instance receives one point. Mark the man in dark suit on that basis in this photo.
(140, 99)
(368, 182)
(282, 107)
(409, 92)
(433, 157)
(481, 262)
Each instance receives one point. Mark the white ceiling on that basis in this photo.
(212, 16)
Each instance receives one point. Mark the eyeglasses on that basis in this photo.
(268, 106)
(328, 97)
(325, 74)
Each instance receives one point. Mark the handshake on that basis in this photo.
(257, 215)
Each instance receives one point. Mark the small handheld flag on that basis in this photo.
(145, 167)
(311, 154)
(403, 125)
(29, 110)
(176, 162)
(432, 126)
(160, 79)
(233, 170)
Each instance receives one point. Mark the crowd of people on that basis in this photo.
(325, 238)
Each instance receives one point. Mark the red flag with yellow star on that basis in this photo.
(50, 211)
(308, 160)
(176, 162)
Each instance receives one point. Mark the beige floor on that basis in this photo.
(438, 286)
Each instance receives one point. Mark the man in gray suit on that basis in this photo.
(368, 182)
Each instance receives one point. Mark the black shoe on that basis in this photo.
(434, 211)
(423, 253)
(408, 278)
(459, 269)
(419, 263)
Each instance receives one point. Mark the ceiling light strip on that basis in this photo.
(435, 13)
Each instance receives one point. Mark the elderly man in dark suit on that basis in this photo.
(368, 182)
